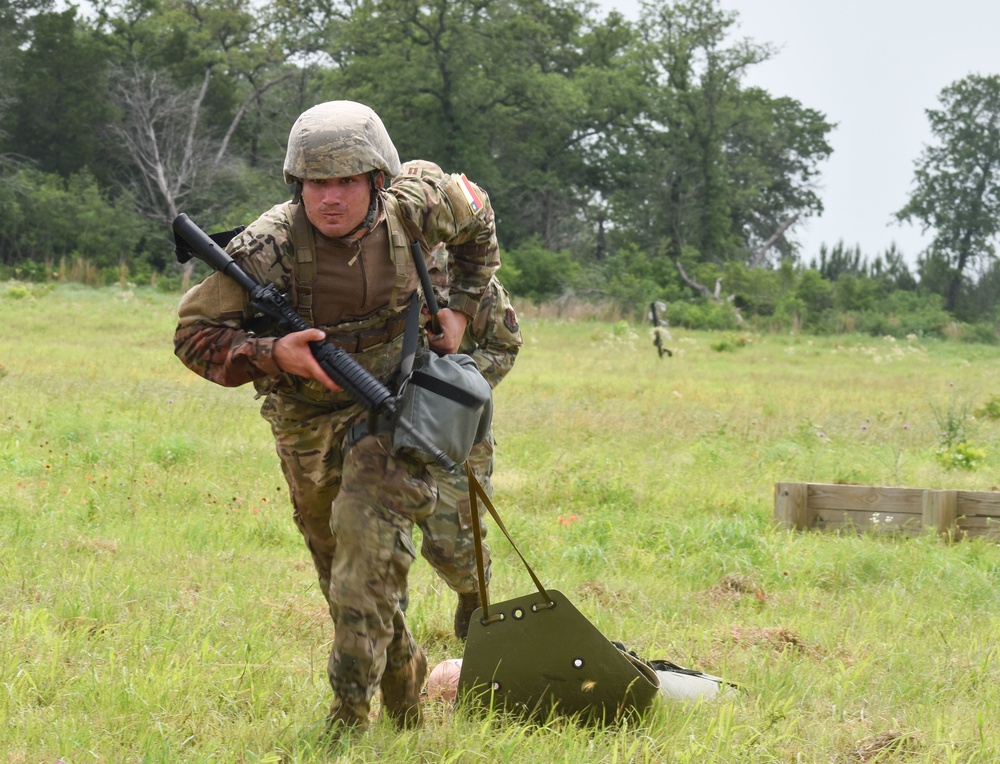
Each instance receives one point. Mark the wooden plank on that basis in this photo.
(864, 520)
(979, 503)
(979, 526)
(847, 524)
(886, 500)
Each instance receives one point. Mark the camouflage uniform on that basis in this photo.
(355, 504)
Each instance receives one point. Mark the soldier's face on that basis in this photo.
(336, 206)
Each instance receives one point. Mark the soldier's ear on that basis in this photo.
(379, 180)
(296, 191)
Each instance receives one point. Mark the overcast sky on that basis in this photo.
(872, 67)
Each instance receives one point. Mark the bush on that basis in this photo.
(983, 334)
(703, 314)
(537, 273)
(731, 342)
(45, 219)
(990, 409)
(960, 456)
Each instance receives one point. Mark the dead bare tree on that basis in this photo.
(758, 259)
(760, 256)
(697, 286)
(159, 130)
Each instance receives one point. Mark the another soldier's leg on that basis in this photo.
(381, 497)
(309, 441)
(448, 541)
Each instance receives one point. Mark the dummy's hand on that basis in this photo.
(452, 325)
(292, 354)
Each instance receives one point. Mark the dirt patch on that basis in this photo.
(885, 747)
(734, 586)
(597, 592)
(776, 638)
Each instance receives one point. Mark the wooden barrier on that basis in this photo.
(881, 509)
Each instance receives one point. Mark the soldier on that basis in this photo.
(493, 339)
(341, 250)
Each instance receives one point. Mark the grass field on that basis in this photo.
(157, 604)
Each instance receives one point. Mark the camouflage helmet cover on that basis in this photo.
(337, 139)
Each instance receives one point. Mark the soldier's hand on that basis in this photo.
(293, 355)
(452, 324)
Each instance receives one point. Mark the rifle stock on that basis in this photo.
(336, 362)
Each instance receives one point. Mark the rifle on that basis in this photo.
(657, 334)
(336, 362)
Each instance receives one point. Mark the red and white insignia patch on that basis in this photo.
(471, 195)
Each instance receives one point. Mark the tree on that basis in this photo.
(60, 96)
(159, 132)
(16, 20)
(715, 172)
(516, 93)
(89, 225)
(190, 77)
(957, 181)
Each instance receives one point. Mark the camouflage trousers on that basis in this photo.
(448, 543)
(356, 507)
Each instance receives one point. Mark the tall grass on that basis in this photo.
(157, 604)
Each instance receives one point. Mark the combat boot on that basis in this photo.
(401, 692)
(467, 604)
(345, 718)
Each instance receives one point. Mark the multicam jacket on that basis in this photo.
(493, 338)
(359, 291)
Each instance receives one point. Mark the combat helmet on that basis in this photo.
(336, 139)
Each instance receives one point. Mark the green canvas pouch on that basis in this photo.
(447, 400)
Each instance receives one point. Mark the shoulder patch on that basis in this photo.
(471, 194)
(510, 321)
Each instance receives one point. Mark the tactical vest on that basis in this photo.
(304, 260)
(376, 340)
